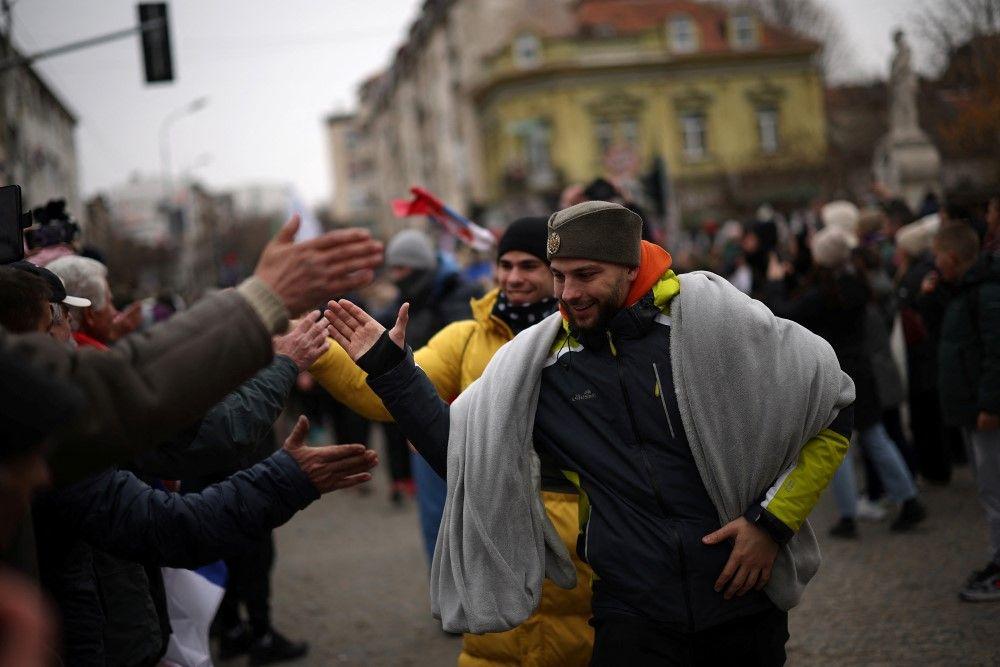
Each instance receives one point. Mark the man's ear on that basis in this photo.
(87, 317)
(633, 272)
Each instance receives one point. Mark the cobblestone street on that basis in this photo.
(350, 578)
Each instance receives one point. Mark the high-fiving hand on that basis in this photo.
(330, 467)
(305, 341)
(357, 331)
(305, 273)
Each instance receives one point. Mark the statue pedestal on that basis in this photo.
(909, 165)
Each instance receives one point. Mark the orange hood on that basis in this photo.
(652, 265)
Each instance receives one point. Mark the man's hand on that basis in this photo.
(305, 341)
(929, 283)
(357, 331)
(308, 273)
(776, 269)
(987, 421)
(126, 321)
(330, 467)
(752, 558)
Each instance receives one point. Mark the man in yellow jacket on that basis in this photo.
(558, 633)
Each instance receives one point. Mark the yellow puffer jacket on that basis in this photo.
(558, 633)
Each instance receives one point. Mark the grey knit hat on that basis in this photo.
(411, 248)
(596, 230)
(831, 247)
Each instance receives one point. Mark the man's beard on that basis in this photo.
(606, 309)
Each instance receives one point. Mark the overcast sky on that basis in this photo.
(272, 70)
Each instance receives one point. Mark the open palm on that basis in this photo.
(356, 331)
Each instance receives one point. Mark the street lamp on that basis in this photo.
(194, 106)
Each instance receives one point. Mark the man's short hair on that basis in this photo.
(959, 238)
(24, 297)
(83, 277)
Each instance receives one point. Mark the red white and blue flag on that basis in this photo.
(426, 203)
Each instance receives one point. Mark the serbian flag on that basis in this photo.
(193, 598)
(425, 203)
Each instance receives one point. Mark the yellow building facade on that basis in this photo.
(734, 109)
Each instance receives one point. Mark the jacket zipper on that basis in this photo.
(682, 560)
(663, 401)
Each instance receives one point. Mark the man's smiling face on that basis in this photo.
(589, 291)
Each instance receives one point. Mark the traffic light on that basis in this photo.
(156, 57)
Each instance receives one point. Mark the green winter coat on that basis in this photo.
(969, 349)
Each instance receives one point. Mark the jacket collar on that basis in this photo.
(83, 340)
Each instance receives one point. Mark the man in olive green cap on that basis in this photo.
(701, 428)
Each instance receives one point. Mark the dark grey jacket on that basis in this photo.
(230, 435)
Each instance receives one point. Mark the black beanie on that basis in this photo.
(527, 235)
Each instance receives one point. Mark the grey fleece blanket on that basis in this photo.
(752, 390)
(496, 542)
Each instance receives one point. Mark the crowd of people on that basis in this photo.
(911, 304)
(614, 451)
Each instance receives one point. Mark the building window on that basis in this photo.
(767, 130)
(744, 31)
(534, 139)
(693, 134)
(527, 51)
(616, 132)
(605, 134)
(682, 35)
(618, 144)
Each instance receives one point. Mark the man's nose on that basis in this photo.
(571, 290)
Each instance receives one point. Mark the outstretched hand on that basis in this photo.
(356, 331)
(126, 321)
(305, 341)
(303, 274)
(330, 467)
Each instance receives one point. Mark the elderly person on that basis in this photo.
(60, 300)
(94, 325)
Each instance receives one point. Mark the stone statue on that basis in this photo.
(903, 120)
(905, 160)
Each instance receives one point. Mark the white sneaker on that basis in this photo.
(870, 511)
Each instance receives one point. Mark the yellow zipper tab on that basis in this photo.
(611, 344)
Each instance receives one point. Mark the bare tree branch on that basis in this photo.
(811, 18)
(945, 25)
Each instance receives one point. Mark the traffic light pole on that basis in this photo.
(145, 26)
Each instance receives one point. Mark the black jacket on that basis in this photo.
(230, 437)
(921, 320)
(837, 311)
(436, 298)
(102, 540)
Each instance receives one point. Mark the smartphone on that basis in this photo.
(12, 224)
